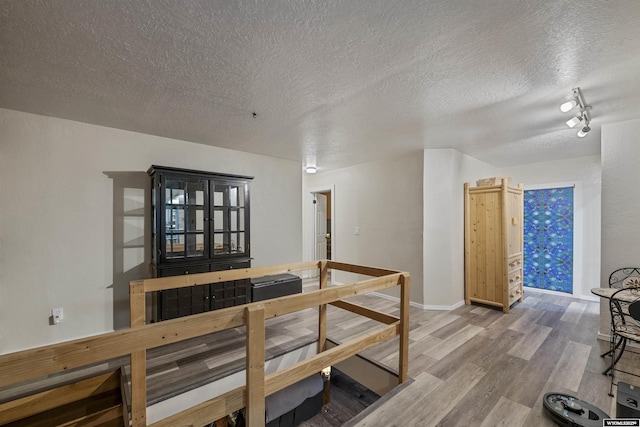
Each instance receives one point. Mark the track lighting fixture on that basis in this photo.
(569, 105)
(572, 122)
(583, 132)
(582, 117)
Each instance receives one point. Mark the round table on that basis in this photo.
(628, 295)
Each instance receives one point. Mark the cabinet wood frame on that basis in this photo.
(493, 240)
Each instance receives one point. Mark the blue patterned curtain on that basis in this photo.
(548, 239)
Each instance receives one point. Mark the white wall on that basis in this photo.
(620, 201)
(383, 199)
(73, 220)
(445, 172)
(620, 196)
(585, 174)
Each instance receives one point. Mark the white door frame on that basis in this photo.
(320, 229)
(324, 189)
(577, 236)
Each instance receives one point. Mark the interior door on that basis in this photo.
(548, 239)
(320, 201)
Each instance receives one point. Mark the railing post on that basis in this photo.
(322, 309)
(403, 368)
(137, 303)
(138, 359)
(254, 319)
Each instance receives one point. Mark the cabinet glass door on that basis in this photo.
(229, 218)
(185, 227)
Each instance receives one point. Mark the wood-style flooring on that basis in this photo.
(472, 366)
(179, 367)
(475, 366)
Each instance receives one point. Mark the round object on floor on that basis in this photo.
(569, 411)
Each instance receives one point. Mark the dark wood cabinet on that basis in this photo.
(200, 224)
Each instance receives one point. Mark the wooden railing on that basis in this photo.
(38, 362)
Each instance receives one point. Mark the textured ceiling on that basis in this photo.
(332, 82)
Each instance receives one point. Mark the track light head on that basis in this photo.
(569, 105)
(583, 132)
(574, 121)
(583, 117)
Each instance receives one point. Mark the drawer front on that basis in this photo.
(230, 265)
(515, 284)
(515, 277)
(514, 262)
(179, 271)
(515, 293)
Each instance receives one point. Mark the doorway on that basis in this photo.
(548, 239)
(322, 213)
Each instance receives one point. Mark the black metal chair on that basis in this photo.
(625, 277)
(622, 278)
(624, 307)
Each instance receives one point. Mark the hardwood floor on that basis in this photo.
(176, 368)
(472, 366)
(475, 366)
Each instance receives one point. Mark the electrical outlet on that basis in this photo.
(57, 314)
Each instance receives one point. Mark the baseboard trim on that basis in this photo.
(421, 306)
(414, 304)
(607, 338)
(592, 298)
(444, 307)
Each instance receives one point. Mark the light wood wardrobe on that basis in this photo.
(493, 235)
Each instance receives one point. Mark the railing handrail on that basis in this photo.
(189, 280)
(37, 362)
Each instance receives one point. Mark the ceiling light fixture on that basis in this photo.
(583, 132)
(311, 169)
(582, 117)
(572, 122)
(569, 105)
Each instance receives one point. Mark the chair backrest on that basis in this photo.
(625, 278)
(616, 310)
